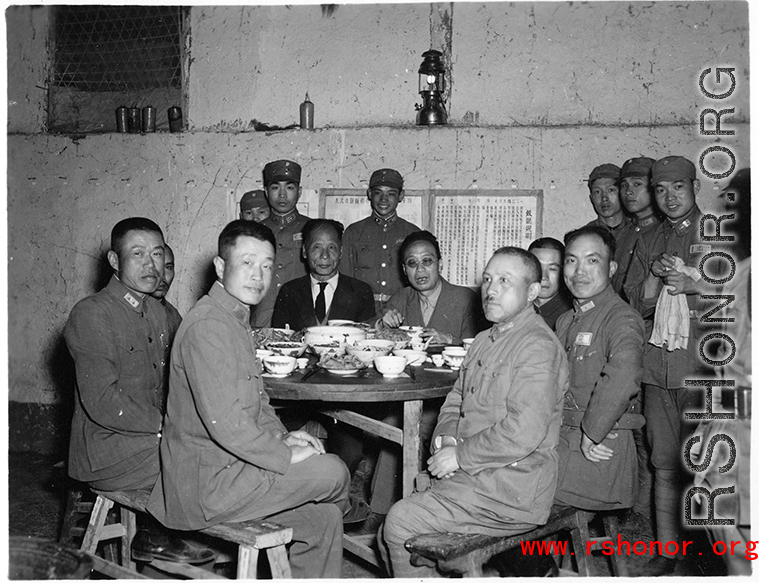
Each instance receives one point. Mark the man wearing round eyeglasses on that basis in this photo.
(447, 312)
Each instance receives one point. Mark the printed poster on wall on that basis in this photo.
(471, 225)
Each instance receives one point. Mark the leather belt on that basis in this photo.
(738, 399)
(381, 297)
(571, 418)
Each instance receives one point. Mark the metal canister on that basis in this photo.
(175, 119)
(134, 120)
(121, 119)
(148, 119)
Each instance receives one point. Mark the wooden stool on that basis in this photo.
(251, 537)
(467, 553)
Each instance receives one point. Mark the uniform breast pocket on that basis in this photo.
(134, 362)
(586, 365)
(365, 257)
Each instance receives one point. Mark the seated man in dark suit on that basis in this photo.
(324, 294)
(312, 300)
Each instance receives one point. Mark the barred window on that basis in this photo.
(108, 56)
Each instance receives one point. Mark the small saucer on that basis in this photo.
(392, 376)
(272, 375)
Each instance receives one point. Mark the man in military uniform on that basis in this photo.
(656, 265)
(494, 447)
(371, 245)
(637, 196)
(603, 183)
(120, 340)
(254, 206)
(603, 339)
(283, 190)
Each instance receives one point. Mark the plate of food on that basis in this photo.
(400, 337)
(264, 336)
(344, 364)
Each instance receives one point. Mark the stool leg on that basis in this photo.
(73, 498)
(611, 530)
(247, 562)
(129, 520)
(580, 536)
(280, 565)
(95, 525)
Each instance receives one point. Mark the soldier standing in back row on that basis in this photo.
(283, 190)
(371, 245)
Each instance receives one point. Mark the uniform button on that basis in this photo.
(154, 365)
(248, 377)
(462, 414)
(383, 283)
(471, 390)
(479, 362)
(280, 245)
(384, 246)
(280, 265)
(384, 265)
(150, 339)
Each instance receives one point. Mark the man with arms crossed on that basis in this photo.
(603, 338)
(225, 456)
(494, 447)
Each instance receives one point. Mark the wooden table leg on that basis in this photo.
(412, 444)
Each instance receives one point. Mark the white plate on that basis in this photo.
(392, 376)
(342, 371)
(271, 375)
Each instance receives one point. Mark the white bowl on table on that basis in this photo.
(280, 365)
(414, 332)
(454, 356)
(294, 349)
(413, 357)
(322, 338)
(390, 366)
(367, 350)
(467, 342)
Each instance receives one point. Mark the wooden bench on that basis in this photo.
(467, 553)
(251, 537)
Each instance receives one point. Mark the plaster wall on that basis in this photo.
(544, 128)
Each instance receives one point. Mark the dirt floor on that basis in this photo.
(37, 490)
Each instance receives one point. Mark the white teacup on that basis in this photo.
(454, 356)
(437, 359)
(467, 342)
(280, 365)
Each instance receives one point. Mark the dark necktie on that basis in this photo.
(321, 304)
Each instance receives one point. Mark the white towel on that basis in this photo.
(672, 316)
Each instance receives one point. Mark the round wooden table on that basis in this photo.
(332, 394)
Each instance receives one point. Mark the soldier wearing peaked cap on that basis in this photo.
(603, 183)
(254, 206)
(371, 245)
(670, 256)
(283, 190)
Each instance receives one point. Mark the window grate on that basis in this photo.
(117, 48)
(108, 56)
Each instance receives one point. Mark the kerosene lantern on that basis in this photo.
(431, 87)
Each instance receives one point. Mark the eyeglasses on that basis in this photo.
(427, 262)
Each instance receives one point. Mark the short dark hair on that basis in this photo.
(120, 230)
(314, 225)
(416, 237)
(547, 243)
(242, 228)
(534, 271)
(602, 232)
